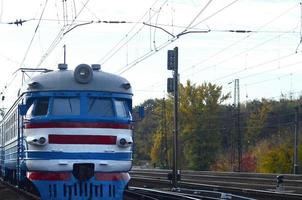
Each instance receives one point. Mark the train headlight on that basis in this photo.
(40, 141)
(124, 141)
(83, 73)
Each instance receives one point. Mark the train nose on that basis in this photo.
(83, 171)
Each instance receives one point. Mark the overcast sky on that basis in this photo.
(264, 58)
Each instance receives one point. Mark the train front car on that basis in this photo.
(78, 133)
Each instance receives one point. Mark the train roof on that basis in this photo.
(83, 78)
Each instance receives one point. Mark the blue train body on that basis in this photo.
(69, 134)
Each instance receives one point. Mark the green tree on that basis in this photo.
(145, 129)
(256, 123)
(198, 136)
(199, 106)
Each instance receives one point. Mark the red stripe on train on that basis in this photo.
(49, 176)
(81, 139)
(112, 176)
(77, 125)
(63, 176)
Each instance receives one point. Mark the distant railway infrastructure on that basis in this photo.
(250, 185)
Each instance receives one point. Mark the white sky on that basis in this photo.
(265, 61)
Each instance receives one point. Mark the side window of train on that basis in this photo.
(66, 106)
(100, 107)
(121, 109)
(41, 106)
(29, 111)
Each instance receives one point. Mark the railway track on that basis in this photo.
(152, 194)
(260, 186)
(193, 185)
(137, 193)
(11, 192)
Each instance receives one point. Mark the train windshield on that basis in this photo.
(66, 106)
(38, 107)
(76, 106)
(121, 109)
(101, 107)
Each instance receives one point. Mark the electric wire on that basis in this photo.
(136, 61)
(150, 53)
(250, 75)
(215, 13)
(300, 27)
(236, 55)
(250, 67)
(154, 32)
(196, 17)
(60, 36)
(143, 57)
(267, 80)
(270, 70)
(119, 44)
(244, 38)
(33, 37)
(255, 66)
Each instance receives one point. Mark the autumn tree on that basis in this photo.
(256, 122)
(145, 129)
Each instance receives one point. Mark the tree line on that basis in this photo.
(208, 133)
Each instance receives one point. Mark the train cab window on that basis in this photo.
(41, 106)
(29, 111)
(66, 106)
(101, 107)
(121, 109)
(37, 107)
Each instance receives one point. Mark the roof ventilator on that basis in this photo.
(34, 84)
(96, 67)
(126, 86)
(62, 66)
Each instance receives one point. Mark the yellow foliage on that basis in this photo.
(156, 148)
(275, 157)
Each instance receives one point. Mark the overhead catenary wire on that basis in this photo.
(244, 38)
(140, 58)
(251, 75)
(32, 39)
(246, 68)
(259, 30)
(60, 36)
(150, 53)
(233, 56)
(214, 13)
(126, 39)
(196, 17)
(270, 70)
(255, 66)
(300, 27)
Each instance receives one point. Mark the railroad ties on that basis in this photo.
(11, 192)
(250, 185)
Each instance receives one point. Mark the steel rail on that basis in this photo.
(260, 186)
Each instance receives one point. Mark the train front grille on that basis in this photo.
(82, 190)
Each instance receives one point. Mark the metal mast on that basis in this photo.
(237, 123)
(173, 88)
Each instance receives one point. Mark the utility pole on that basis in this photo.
(165, 134)
(173, 88)
(237, 122)
(162, 137)
(296, 158)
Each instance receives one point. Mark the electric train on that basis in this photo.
(68, 134)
